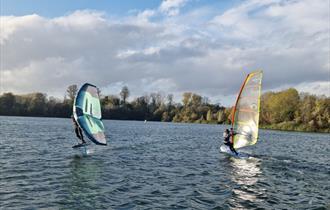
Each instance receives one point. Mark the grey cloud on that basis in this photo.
(212, 58)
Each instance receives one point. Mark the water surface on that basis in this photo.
(158, 166)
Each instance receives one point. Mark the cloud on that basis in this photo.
(190, 51)
(319, 88)
(172, 7)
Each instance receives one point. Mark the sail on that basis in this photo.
(87, 112)
(245, 115)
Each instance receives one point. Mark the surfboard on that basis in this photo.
(79, 145)
(225, 149)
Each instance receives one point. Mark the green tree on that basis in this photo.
(7, 103)
(37, 107)
(111, 102)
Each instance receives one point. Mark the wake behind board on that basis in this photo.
(226, 149)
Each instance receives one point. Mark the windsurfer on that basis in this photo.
(229, 138)
(78, 131)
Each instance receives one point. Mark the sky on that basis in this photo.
(169, 46)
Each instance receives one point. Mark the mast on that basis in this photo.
(239, 94)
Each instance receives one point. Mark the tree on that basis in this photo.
(307, 104)
(37, 107)
(322, 113)
(186, 98)
(196, 100)
(157, 115)
(124, 93)
(166, 117)
(141, 102)
(228, 114)
(209, 116)
(140, 108)
(286, 110)
(221, 116)
(72, 92)
(280, 107)
(7, 104)
(170, 100)
(205, 101)
(265, 112)
(194, 116)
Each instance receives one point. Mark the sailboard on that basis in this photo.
(245, 113)
(226, 149)
(87, 113)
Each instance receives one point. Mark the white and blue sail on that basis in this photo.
(87, 113)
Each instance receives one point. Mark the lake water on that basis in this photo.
(159, 166)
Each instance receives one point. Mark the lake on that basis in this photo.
(158, 165)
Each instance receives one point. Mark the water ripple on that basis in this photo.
(158, 166)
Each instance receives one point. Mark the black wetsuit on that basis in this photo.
(227, 142)
(79, 134)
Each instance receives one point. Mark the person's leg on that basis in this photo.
(81, 136)
(77, 133)
(232, 149)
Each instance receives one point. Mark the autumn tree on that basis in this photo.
(281, 106)
(209, 116)
(221, 116)
(186, 98)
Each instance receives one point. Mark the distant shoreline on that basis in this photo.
(286, 110)
(210, 123)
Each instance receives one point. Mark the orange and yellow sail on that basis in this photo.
(245, 113)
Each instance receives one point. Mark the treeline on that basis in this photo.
(284, 110)
(34, 104)
(289, 110)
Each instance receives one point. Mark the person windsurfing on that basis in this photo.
(78, 131)
(228, 139)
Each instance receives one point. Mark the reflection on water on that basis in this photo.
(246, 173)
(83, 182)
